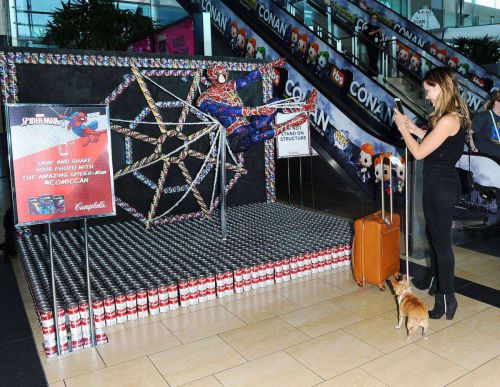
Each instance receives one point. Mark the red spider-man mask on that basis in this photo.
(80, 117)
(217, 73)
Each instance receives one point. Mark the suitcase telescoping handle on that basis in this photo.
(382, 179)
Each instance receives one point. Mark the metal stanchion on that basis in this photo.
(54, 296)
(289, 190)
(312, 183)
(223, 218)
(300, 178)
(407, 217)
(89, 296)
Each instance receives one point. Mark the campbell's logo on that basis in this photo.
(337, 76)
(89, 206)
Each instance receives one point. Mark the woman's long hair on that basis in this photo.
(449, 101)
(495, 97)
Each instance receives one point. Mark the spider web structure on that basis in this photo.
(172, 145)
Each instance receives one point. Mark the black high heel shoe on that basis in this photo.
(445, 304)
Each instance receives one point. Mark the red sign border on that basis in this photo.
(11, 161)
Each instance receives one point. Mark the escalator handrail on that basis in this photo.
(480, 154)
(366, 41)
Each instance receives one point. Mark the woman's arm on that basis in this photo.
(414, 129)
(447, 125)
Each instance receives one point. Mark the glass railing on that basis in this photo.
(480, 196)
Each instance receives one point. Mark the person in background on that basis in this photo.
(441, 148)
(486, 127)
(372, 34)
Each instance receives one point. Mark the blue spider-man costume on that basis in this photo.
(222, 101)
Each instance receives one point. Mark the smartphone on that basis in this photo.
(399, 105)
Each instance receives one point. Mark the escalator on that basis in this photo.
(414, 39)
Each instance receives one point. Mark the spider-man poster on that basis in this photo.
(60, 162)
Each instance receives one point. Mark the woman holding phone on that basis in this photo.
(441, 147)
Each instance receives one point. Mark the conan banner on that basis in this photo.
(60, 157)
(429, 43)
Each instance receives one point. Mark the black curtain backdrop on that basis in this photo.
(64, 84)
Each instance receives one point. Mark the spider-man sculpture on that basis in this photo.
(221, 100)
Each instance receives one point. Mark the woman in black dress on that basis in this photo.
(441, 147)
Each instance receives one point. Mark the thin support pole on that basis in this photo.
(407, 218)
(300, 178)
(289, 189)
(223, 216)
(89, 295)
(54, 296)
(312, 182)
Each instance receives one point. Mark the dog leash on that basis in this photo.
(407, 219)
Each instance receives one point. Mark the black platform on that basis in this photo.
(127, 259)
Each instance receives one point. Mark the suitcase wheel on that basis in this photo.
(381, 287)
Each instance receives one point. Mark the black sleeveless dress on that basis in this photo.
(441, 180)
(441, 191)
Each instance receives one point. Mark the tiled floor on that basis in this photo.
(320, 330)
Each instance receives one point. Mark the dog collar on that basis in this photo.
(400, 297)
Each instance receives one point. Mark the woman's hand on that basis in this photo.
(414, 129)
(410, 125)
(400, 121)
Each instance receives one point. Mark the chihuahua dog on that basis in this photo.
(411, 307)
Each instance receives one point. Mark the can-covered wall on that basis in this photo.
(77, 77)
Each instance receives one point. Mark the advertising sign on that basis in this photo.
(176, 39)
(425, 18)
(60, 162)
(294, 142)
(325, 62)
(142, 45)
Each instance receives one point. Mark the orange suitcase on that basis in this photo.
(375, 255)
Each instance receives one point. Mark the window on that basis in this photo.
(486, 3)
